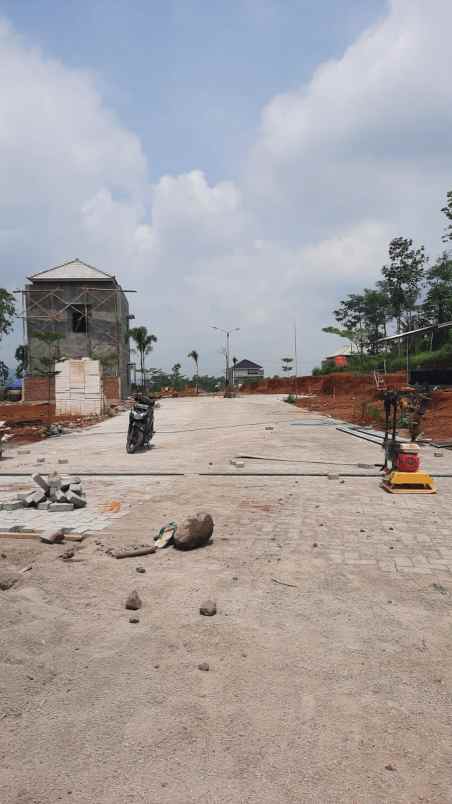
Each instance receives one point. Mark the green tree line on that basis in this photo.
(410, 294)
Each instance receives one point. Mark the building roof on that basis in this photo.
(73, 270)
(247, 364)
(344, 352)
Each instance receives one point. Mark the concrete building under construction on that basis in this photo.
(73, 311)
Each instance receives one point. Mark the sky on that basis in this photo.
(239, 164)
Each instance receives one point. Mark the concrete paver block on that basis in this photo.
(75, 499)
(56, 506)
(35, 498)
(13, 505)
(40, 481)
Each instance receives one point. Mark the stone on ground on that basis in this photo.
(7, 579)
(208, 609)
(195, 531)
(133, 601)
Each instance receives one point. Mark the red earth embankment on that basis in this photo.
(354, 398)
(28, 421)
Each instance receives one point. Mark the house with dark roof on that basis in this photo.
(88, 312)
(246, 371)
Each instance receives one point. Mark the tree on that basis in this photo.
(51, 341)
(234, 363)
(376, 310)
(21, 356)
(341, 333)
(358, 338)
(350, 312)
(437, 306)
(7, 311)
(176, 375)
(4, 373)
(287, 364)
(403, 279)
(195, 357)
(447, 211)
(144, 343)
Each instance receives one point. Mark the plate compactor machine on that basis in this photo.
(402, 462)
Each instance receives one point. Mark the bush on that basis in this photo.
(291, 399)
(366, 364)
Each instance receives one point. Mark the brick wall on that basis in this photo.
(36, 389)
(111, 387)
(24, 412)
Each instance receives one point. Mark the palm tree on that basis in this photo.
(144, 345)
(175, 373)
(195, 357)
(234, 363)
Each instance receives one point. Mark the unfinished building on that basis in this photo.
(74, 311)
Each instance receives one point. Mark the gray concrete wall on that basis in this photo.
(49, 311)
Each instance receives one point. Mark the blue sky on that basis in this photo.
(190, 78)
(242, 163)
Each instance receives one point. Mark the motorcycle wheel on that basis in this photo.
(134, 440)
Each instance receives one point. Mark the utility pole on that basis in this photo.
(226, 332)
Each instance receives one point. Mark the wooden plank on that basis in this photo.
(68, 537)
(140, 551)
(5, 534)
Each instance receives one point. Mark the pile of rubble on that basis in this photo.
(56, 493)
(5, 435)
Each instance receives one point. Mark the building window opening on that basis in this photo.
(80, 314)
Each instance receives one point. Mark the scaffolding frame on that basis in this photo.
(44, 308)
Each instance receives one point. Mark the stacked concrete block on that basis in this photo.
(78, 387)
(56, 493)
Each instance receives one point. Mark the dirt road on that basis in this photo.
(330, 655)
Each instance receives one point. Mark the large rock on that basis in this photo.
(195, 531)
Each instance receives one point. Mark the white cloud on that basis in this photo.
(359, 154)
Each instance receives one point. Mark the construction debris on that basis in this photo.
(56, 537)
(56, 493)
(68, 554)
(165, 535)
(8, 579)
(208, 609)
(195, 531)
(133, 551)
(5, 435)
(14, 533)
(133, 601)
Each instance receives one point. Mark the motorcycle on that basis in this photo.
(141, 424)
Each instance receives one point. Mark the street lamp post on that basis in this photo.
(227, 332)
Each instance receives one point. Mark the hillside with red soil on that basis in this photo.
(354, 398)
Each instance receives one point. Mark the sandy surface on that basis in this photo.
(330, 655)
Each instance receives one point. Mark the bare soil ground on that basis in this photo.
(330, 656)
(354, 398)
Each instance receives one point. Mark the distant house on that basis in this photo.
(339, 359)
(246, 371)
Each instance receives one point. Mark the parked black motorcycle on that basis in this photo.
(141, 424)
